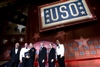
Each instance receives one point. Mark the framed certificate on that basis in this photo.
(64, 13)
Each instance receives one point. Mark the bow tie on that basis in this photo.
(58, 46)
(26, 48)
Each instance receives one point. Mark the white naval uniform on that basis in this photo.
(60, 50)
(60, 55)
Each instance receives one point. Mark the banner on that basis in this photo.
(64, 13)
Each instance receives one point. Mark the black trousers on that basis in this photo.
(51, 64)
(14, 64)
(61, 61)
(24, 62)
(31, 62)
(41, 64)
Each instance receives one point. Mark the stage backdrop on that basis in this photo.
(81, 41)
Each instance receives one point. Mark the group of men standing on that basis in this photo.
(26, 55)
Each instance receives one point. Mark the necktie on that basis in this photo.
(40, 48)
(16, 48)
(26, 47)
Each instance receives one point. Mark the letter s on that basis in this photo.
(64, 11)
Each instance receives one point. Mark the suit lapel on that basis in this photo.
(50, 50)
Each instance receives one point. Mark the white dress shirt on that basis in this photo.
(16, 50)
(22, 52)
(60, 50)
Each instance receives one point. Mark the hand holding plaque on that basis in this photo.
(27, 55)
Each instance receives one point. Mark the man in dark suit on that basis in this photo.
(32, 52)
(51, 56)
(42, 55)
(14, 54)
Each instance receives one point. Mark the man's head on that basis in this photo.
(16, 45)
(51, 45)
(57, 41)
(42, 44)
(26, 45)
(31, 45)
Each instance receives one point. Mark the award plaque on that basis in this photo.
(27, 54)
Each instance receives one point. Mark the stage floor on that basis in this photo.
(78, 63)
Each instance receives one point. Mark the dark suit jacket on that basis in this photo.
(51, 55)
(14, 57)
(42, 54)
(32, 52)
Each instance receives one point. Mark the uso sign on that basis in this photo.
(64, 13)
